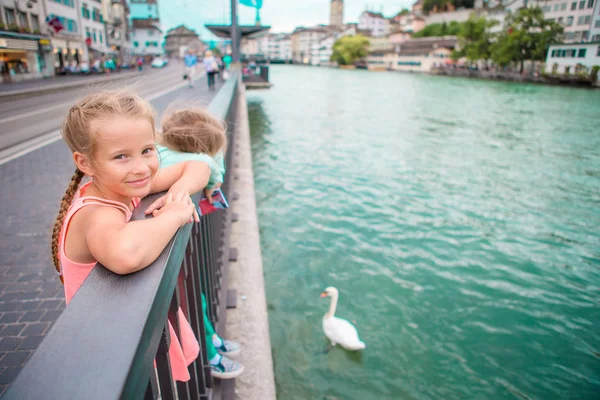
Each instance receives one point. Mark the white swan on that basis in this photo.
(339, 331)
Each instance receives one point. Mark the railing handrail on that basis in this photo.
(110, 355)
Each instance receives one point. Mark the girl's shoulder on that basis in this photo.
(170, 157)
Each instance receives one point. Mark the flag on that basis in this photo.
(252, 3)
(55, 23)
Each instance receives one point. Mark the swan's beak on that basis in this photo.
(324, 294)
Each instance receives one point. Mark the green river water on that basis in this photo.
(459, 219)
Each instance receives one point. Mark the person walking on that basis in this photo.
(212, 68)
(190, 60)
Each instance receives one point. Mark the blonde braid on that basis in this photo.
(64, 207)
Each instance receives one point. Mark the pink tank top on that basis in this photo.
(181, 352)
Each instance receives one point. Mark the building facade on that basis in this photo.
(68, 44)
(180, 39)
(116, 18)
(25, 47)
(336, 15)
(414, 55)
(303, 42)
(374, 22)
(572, 58)
(146, 33)
(576, 16)
(93, 31)
(595, 27)
(147, 37)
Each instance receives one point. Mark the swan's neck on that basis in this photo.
(332, 306)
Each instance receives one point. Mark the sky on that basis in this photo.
(281, 15)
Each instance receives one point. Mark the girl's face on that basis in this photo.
(125, 160)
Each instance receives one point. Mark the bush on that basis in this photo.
(594, 73)
(13, 28)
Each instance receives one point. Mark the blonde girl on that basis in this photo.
(112, 139)
(193, 134)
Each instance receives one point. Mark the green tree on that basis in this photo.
(442, 29)
(527, 36)
(404, 11)
(475, 39)
(349, 49)
(439, 5)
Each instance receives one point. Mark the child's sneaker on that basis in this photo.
(226, 368)
(228, 348)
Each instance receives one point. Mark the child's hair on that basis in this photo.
(193, 130)
(78, 134)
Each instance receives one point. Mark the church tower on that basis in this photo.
(336, 17)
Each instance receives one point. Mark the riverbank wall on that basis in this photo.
(516, 77)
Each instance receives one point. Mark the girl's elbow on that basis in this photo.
(126, 262)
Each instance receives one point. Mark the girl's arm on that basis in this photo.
(125, 247)
(188, 176)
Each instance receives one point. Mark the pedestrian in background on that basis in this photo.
(190, 60)
(212, 67)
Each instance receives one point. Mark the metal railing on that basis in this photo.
(112, 341)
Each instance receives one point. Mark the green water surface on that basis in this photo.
(460, 220)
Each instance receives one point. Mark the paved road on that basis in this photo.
(24, 118)
(31, 186)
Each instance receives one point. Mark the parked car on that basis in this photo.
(158, 62)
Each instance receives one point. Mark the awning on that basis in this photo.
(224, 31)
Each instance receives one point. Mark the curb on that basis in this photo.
(56, 88)
(248, 323)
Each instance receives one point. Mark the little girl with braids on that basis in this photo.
(111, 135)
(193, 134)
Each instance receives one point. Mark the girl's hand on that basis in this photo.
(179, 203)
(209, 192)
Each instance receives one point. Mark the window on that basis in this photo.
(22, 19)
(556, 6)
(96, 15)
(581, 53)
(563, 6)
(587, 19)
(150, 32)
(100, 37)
(582, 4)
(580, 20)
(72, 25)
(135, 44)
(88, 34)
(598, 51)
(597, 24)
(35, 22)
(574, 5)
(560, 20)
(553, 53)
(590, 3)
(85, 12)
(9, 16)
(584, 35)
(94, 35)
(569, 21)
(569, 36)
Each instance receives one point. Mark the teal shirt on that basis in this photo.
(170, 157)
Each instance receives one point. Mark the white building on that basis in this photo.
(116, 18)
(375, 22)
(414, 55)
(93, 31)
(25, 49)
(595, 25)
(147, 37)
(576, 16)
(284, 47)
(303, 42)
(68, 44)
(573, 57)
